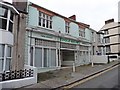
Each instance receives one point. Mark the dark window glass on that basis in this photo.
(43, 22)
(9, 51)
(2, 47)
(11, 16)
(1, 64)
(3, 23)
(39, 21)
(51, 24)
(10, 26)
(47, 24)
(39, 13)
(3, 12)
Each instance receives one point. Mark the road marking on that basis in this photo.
(87, 79)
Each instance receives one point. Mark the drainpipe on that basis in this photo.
(59, 50)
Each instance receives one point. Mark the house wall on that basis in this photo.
(19, 42)
(88, 34)
(58, 24)
(74, 29)
(100, 59)
(33, 16)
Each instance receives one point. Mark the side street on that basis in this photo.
(40, 48)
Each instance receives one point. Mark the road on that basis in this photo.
(108, 79)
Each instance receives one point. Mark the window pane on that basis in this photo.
(1, 64)
(3, 12)
(8, 64)
(2, 50)
(40, 14)
(3, 23)
(9, 51)
(47, 23)
(11, 16)
(45, 57)
(50, 24)
(43, 22)
(10, 26)
(39, 21)
(38, 57)
(43, 15)
(53, 57)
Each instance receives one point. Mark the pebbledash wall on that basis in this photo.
(51, 43)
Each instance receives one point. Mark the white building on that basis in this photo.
(7, 12)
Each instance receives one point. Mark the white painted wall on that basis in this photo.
(100, 59)
(6, 37)
(67, 63)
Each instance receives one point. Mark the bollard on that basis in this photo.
(73, 67)
(92, 64)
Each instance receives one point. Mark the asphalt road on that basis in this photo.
(108, 79)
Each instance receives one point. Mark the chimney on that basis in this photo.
(73, 17)
(109, 21)
(20, 5)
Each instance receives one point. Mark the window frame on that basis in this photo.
(67, 27)
(9, 19)
(45, 20)
(81, 32)
(5, 57)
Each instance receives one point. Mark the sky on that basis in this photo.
(91, 12)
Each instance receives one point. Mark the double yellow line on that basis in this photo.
(87, 79)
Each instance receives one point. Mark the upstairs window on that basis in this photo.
(107, 40)
(106, 32)
(6, 15)
(45, 20)
(3, 12)
(3, 18)
(67, 27)
(82, 32)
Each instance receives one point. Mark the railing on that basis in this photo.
(11, 75)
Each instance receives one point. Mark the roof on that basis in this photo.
(110, 25)
(10, 6)
(80, 23)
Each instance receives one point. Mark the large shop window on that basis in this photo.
(45, 20)
(45, 58)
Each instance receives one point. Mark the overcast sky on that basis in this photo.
(92, 12)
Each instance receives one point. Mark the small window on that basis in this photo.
(3, 12)
(43, 23)
(10, 26)
(45, 20)
(3, 23)
(2, 47)
(67, 27)
(9, 50)
(11, 16)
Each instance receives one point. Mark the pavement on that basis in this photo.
(66, 76)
